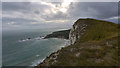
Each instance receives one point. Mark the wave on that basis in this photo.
(29, 39)
(35, 63)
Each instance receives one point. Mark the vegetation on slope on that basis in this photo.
(59, 34)
(99, 30)
(97, 47)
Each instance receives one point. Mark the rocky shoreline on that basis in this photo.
(90, 44)
(53, 56)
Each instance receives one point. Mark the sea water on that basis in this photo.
(30, 52)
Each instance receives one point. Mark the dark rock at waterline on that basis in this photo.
(29, 38)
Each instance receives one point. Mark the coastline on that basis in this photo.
(66, 43)
(38, 62)
(90, 48)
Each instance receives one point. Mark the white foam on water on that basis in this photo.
(37, 55)
(35, 63)
(37, 38)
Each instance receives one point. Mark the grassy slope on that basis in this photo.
(59, 34)
(97, 47)
(99, 30)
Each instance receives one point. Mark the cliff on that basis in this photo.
(59, 34)
(93, 43)
(92, 30)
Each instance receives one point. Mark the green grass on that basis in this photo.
(100, 30)
(92, 46)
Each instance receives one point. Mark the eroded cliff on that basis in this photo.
(93, 43)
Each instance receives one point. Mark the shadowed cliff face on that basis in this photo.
(59, 34)
(93, 43)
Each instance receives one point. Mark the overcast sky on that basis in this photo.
(27, 15)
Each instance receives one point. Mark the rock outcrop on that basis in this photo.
(93, 43)
(77, 31)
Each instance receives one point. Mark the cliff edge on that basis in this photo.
(93, 43)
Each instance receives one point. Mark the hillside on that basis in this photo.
(93, 43)
(59, 34)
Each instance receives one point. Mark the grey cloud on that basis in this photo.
(94, 9)
(76, 9)
(18, 21)
(36, 12)
(29, 10)
(99, 10)
(24, 7)
(58, 16)
(14, 6)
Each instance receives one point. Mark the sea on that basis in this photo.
(27, 47)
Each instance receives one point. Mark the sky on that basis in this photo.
(38, 15)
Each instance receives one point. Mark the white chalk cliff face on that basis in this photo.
(77, 31)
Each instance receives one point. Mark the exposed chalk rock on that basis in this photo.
(77, 32)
